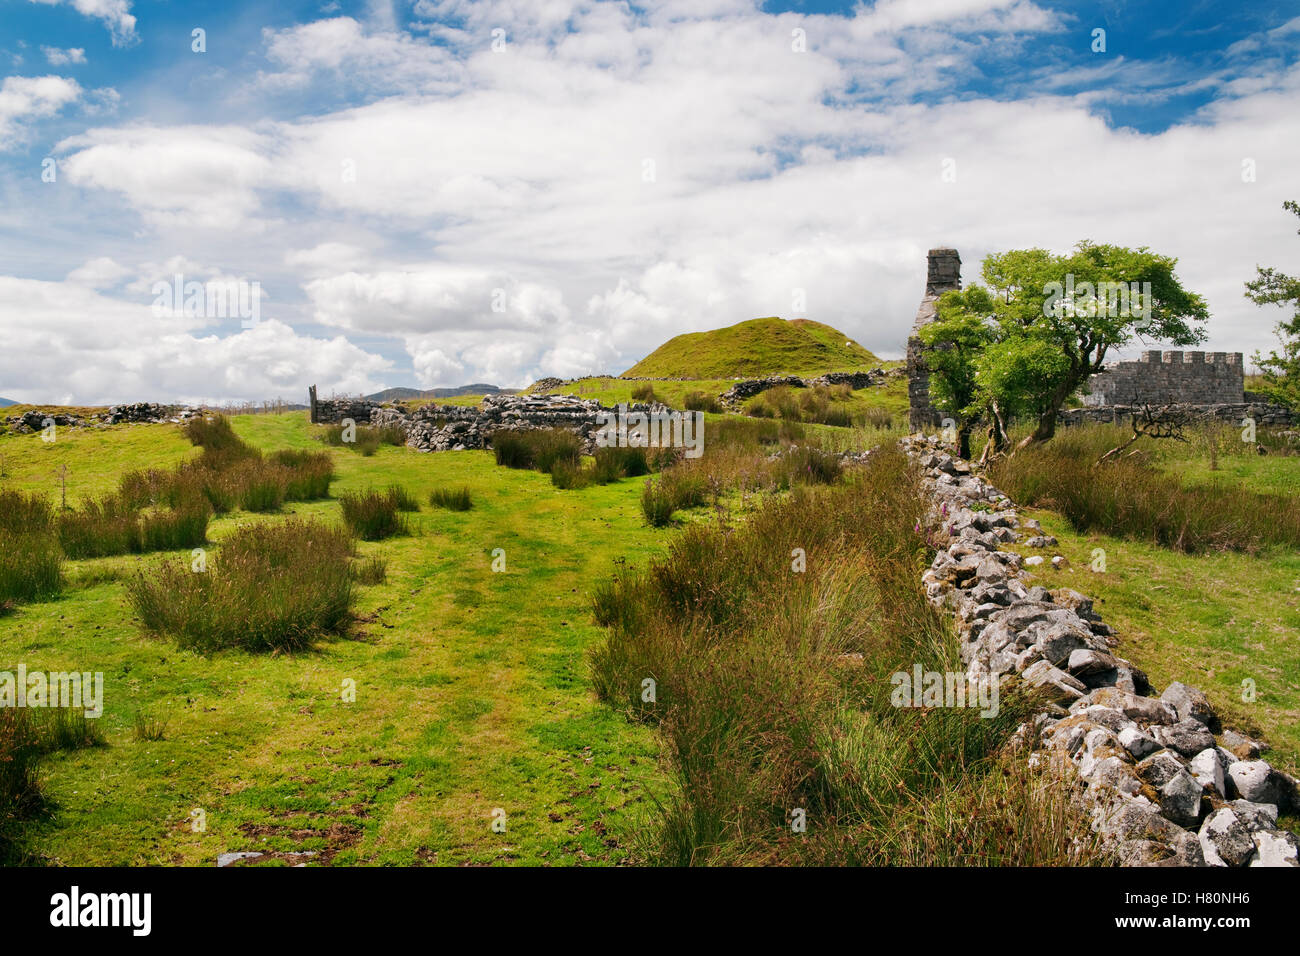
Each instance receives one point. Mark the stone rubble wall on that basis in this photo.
(144, 413)
(434, 427)
(748, 388)
(1166, 783)
(1233, 413)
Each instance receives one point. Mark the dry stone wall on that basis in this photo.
(436, 427)
(1166, 783)
(748, 388)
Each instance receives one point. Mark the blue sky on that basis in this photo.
(437, 192)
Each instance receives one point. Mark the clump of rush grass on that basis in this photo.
(403, 499)
(147, 727)
(22, 513)
(370, 571)
(372, 515)
(772, 690)
(452, 499)
(702, 402)
(270, 587)
(31, 567)
(1130, 497)
(538, 448)
(567, 475)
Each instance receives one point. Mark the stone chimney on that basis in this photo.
(943, 274)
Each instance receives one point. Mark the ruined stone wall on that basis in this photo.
(1262, 412)
(1162, 378)
(943, 274)
(1166, 782)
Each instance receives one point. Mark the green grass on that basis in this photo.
(471, 692)
(1212, 619)
(1209, 620)
(770, 685)
(756, 348)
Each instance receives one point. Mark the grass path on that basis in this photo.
(472, 687)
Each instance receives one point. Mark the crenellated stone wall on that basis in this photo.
(1162, 378)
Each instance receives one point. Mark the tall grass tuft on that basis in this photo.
(452, 499)
(1129, 497)
(568, 475)
(281, 586)
(31, 567)
(99, 528)
(538, 448)
(772, 691)
(20, 792)
(403, 500)
(372, 570)
(372, 515)
(22, 513)
(702, 402)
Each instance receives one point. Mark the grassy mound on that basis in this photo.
(756, 348)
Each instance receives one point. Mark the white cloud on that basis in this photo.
(23, 98)
(776, 175)
(99, 273)
(67, 342)
(343, 48)
(187, 176)
(116, 15)
(57, 57)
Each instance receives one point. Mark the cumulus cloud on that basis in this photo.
(57, 57)
(350, 53)
(617, 175)
(66, 342)
(99, 273)
(23, 98)
(195, 176)
(115, 14)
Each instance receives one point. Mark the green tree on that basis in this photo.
(1059, 316)
(954, 341)
(1281, 371)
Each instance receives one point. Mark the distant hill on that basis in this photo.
(754, 349)
(6, 402)
(401, 394)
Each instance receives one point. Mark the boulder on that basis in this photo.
(1189, 737)
(1180, 798)
(1224, 840)
(1253, 780)
(1207, 768)
(1190, 704)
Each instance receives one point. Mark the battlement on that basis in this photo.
(1173, 377)
(1156, 357)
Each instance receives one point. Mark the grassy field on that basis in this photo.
(472, 690)
(1208, 620)
(1213, 619)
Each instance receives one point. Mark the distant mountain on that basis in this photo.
(6, 402)
(756, 348)
(401, 394)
